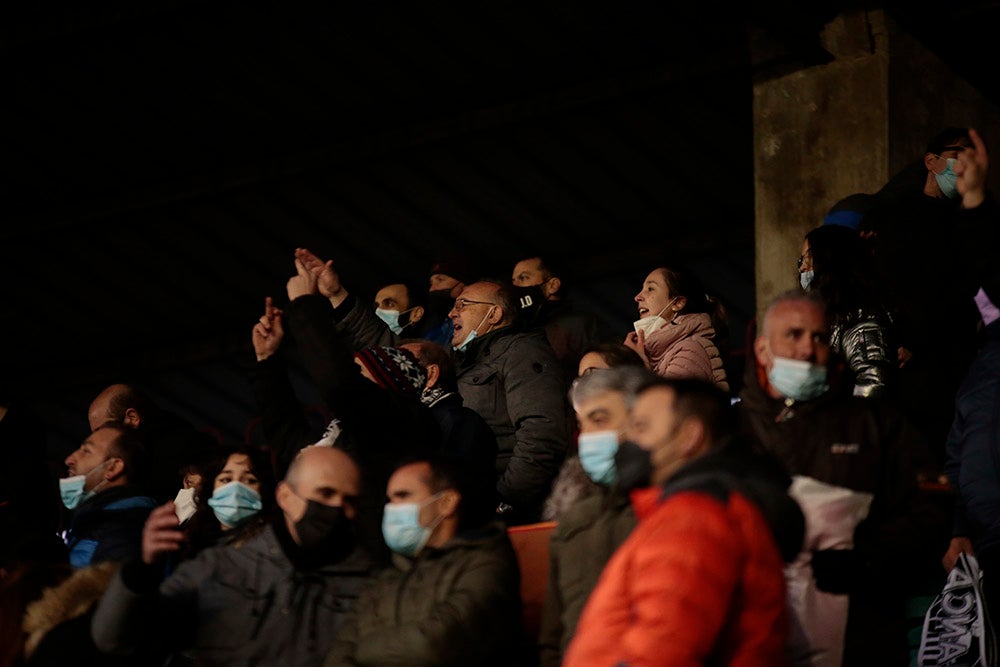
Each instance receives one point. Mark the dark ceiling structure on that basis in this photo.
(163, 159)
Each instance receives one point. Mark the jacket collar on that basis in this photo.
(473, 538)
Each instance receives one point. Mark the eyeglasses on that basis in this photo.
(460, 304)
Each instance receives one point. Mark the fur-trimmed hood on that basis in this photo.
(66, 601)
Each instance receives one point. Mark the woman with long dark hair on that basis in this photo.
(836, 263)
(234, 498)
(676, 333)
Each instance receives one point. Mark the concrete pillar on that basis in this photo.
(828, 131)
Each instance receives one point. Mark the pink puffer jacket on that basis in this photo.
(686, 348)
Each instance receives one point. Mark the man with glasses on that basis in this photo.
(513, 379)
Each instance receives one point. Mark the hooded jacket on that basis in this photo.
(699, 581)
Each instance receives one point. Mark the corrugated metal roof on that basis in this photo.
(163, 159)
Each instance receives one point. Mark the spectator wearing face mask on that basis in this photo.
(279, 598)
(572, 484)
(591, 529)
(399, 310)
(372, 396)
(700, 578)
(676, 332)
(541, 290)
(836, 264)
(402, 307)
(104, 494)
(513, 379)
(233, 500)
(933, 216)
(853, 464)
(452, 596)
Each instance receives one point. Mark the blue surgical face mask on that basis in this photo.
(798, 380)
(947, 180)
(71, 488)
(391, 318)
(806, 278)
(401, 527)
(472, 334)
(234, 503)
(597, 456)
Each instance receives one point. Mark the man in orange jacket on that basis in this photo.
(700, 580)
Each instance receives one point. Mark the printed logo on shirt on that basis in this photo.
(841, 448)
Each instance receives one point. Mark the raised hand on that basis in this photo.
(971, 168)
(302, 283)
(161, 534)
(327, 277)
(269, 331)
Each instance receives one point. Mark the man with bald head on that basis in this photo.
(279, 598)
(171, 441)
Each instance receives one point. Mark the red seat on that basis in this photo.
(531, 543)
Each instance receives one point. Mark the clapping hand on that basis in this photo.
(327, 278)
(302, 283)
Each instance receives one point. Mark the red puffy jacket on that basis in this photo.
(700, 580)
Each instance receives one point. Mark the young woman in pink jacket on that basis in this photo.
(675, 334)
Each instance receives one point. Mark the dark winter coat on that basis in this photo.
(459, 604)
(233, 605)
(514, 381)
(108, 526)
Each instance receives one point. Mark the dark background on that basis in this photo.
(162, 160)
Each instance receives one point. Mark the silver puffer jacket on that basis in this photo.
(864, 341)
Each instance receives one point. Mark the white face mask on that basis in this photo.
(652, 323)
(184, 504)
